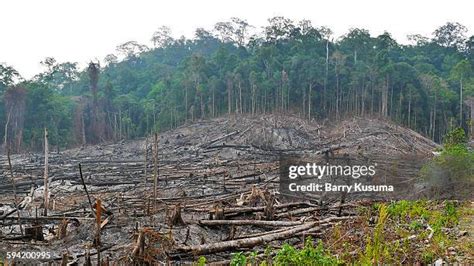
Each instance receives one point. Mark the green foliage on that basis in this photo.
(451, 214)
(238, 259)
(289, 255)
(447, 218)
(309, 255)
(252, 258)
(456, 160)
(416, 225)
(455, 137)
(428, 257)
(402, 225)
(201, 261)
(453, 170)
(404, 209)
(376, 250)
(411, 211)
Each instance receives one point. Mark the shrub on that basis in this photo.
(309, 255)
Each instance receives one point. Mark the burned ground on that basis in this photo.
(217, 189)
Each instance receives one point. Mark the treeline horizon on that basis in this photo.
(288, 67)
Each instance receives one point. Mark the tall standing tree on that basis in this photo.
(162, 37)
(15, 103)
(452, 35)
(8, 76)
(461, 72)
(97, 122)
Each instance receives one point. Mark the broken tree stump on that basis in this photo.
(174, 215)
(269, 210)
(34, 232)
(139, 247)
(217, 213)
(62, 229)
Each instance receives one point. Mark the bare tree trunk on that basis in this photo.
(229, 95)
(391, 100)
(83, 130)
(202, 107)
(409, 107)
(282, 106)
(254, 98)
(471, 104)
(460, 102)
(372, 109)
(430, 129)
(98, 214)
(5, 137)
(120, 123)
(155, 167)
(400, 106)
(326, 75)
(434, 117)
(186, 102)
(14, 191)
(240, 97)
(337, 92)
(213, 101)
(385, 98)
(146, 160)
(46, 196)
(310, 88)
(115, 127)
(303, 104)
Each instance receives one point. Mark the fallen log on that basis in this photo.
(249, 222)
(260, 234)
(228, 146)
(49, 218)
(313, 209)
(219, 138)
(243, 243)
(259, 208)
(258, 240)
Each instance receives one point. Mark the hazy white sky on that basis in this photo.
(81, 30)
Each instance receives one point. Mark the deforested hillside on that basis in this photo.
(216, 193)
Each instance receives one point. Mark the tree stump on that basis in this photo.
(174, 216)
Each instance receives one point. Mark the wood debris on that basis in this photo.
(213, 189)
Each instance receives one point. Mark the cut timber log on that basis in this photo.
(259, 208)
(49, 218)
(229, 146)
(219, 138)
(312, 209)
(258, 240)
(249, 222)
(244, 243)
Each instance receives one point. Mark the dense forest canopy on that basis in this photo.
(291, 67)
